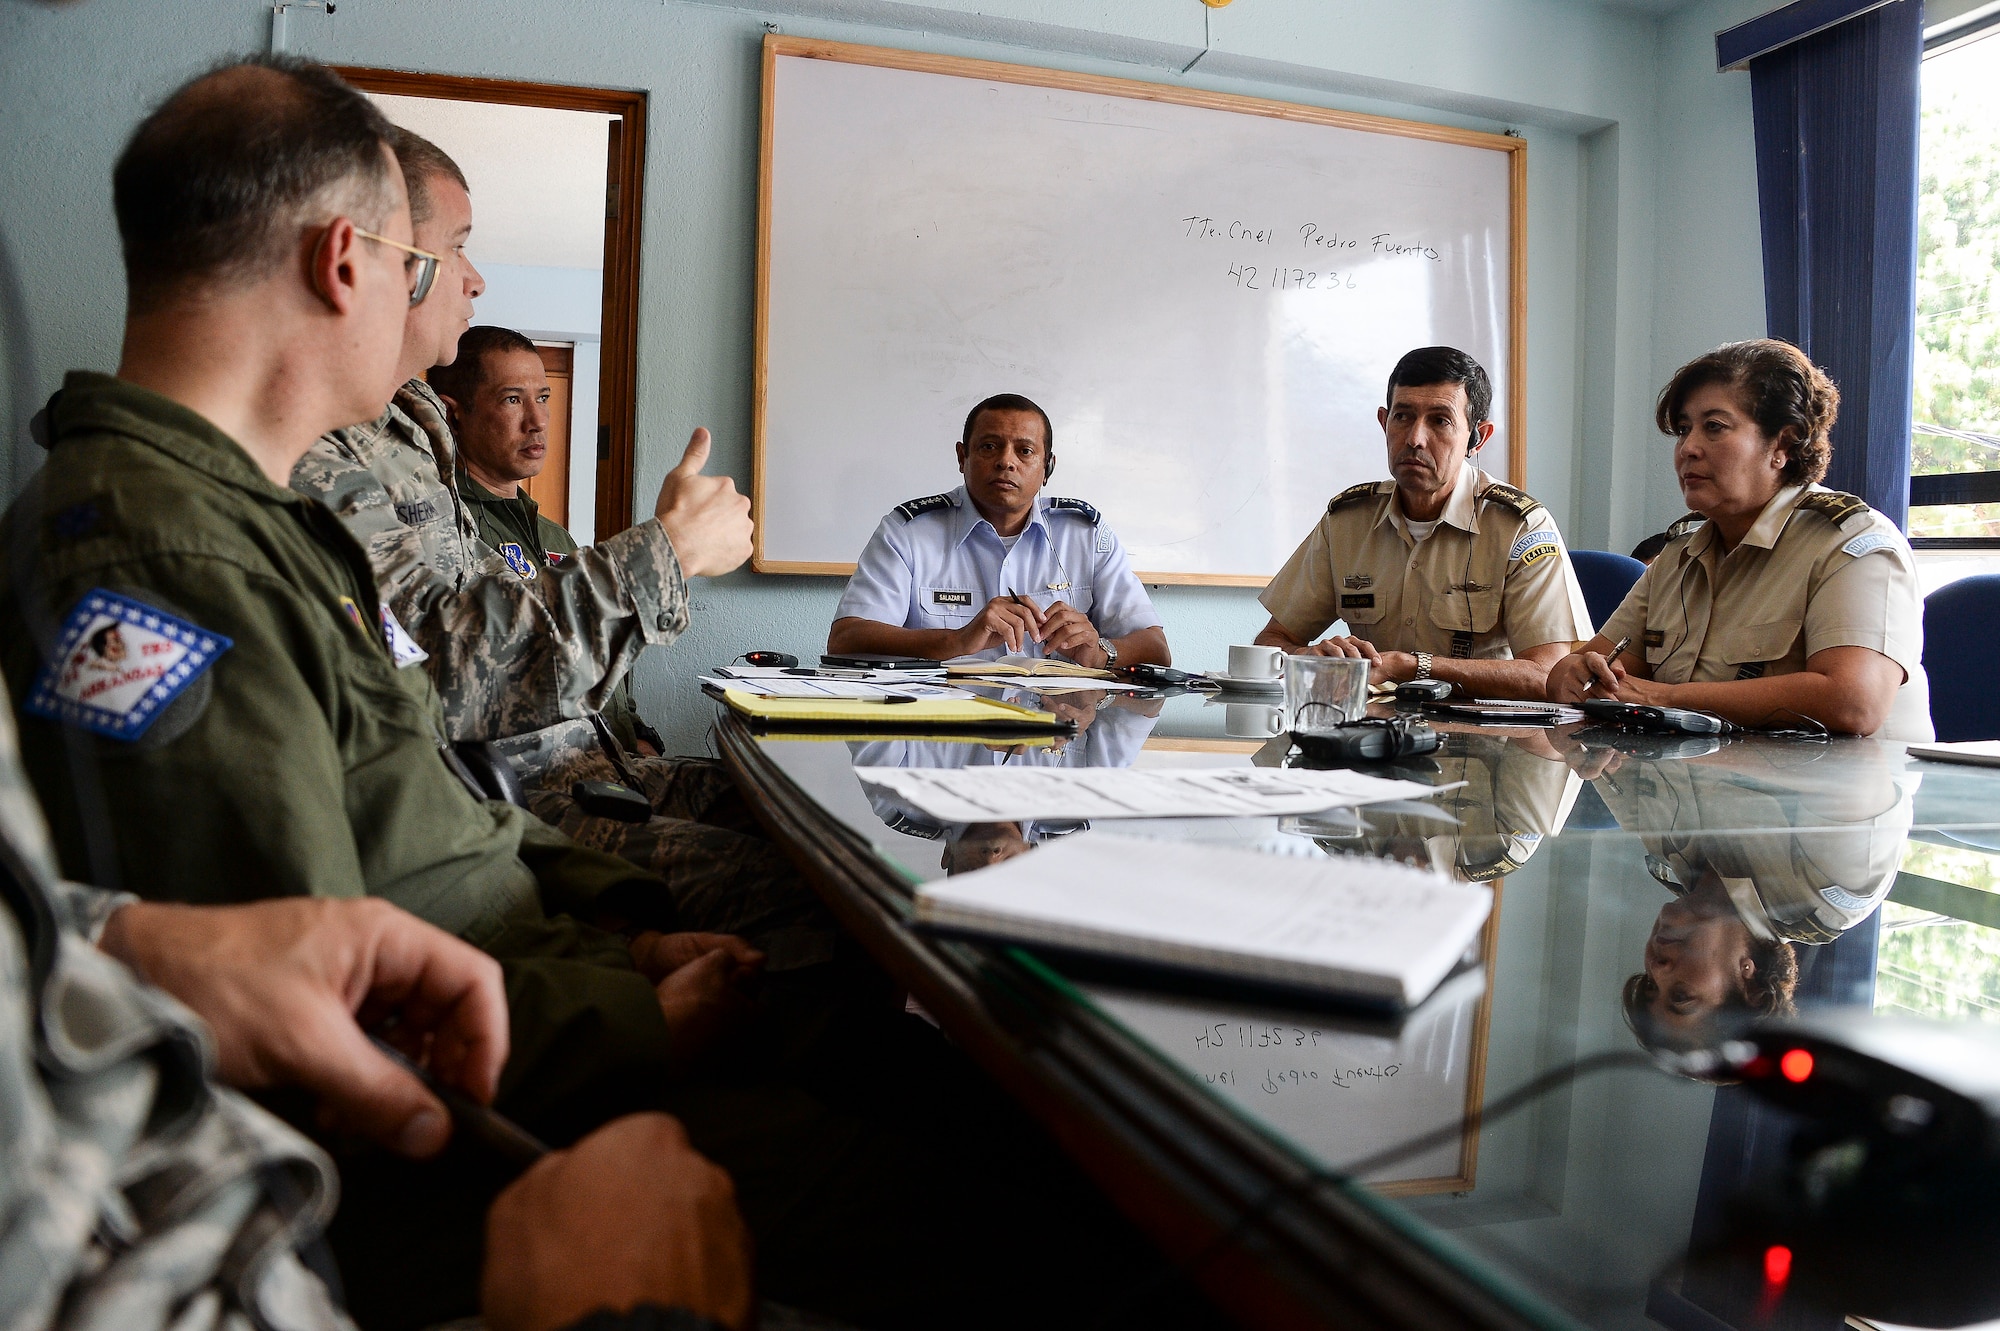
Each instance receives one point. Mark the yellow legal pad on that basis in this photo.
(982, 716)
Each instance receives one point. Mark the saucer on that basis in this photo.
(1238, 683)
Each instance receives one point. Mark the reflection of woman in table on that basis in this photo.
(1767, 847)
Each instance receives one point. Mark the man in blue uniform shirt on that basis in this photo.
(993, 566)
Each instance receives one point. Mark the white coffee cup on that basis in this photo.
(1250, 720)
(1256, 662)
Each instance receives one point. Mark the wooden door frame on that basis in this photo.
(618, 376)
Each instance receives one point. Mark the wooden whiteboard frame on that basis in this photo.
(776, 45)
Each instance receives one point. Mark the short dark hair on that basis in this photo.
(421, 159)
(1649, 549)
(461, 380)
(1779, 387)
(215, 183)
(1768, 992)
(1009, 402)
(102, 636)
(1444, 365)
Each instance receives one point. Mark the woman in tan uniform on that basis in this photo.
(1790, 604)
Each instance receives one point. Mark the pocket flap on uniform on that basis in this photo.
(1758, 642)
(1450, 610)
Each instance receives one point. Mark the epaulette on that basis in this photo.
(1519, 502)
(1076, 506)
(1835, 506)
(916, 508)
(1684, 525)
(1354, 494)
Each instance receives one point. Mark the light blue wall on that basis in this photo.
(1628, 266)
(558, 305)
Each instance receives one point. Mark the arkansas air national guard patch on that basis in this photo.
(119, 664)
(518, 560)
(403, 648)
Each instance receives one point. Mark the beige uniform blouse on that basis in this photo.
(1818, 569)
(1492, 577)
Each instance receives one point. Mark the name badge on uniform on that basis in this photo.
(952, 598)
(403, 648)
(518, 560)
(1656, 637)
(1365, 601)
(119, 663)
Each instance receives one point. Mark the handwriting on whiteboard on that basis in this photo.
(1311, 236)
(1279, 1073)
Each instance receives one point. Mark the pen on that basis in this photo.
(1616, 652)
(502, 1136)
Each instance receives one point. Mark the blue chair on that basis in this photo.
(1605, 578)
(1961, 637)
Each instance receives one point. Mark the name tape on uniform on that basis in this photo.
(951, 598)
(119, 663)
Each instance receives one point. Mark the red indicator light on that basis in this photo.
(1797, 1065)
(1777, 1264)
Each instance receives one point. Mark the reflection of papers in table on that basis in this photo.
(1341, 1091)
(988, 794)
(800, 686)
(1049, 684)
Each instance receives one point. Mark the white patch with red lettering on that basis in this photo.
(119, 663)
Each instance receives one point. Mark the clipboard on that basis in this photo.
(870, 717)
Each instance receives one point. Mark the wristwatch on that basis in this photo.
(1110, 650)
(1423, 665)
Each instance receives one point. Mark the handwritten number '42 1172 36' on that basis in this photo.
(1251, 277)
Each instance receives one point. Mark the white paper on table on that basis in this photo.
(1010, 794)
(1053, 683)
(1370, 928)
(802, 686)
(828, 672)
(1563, 715)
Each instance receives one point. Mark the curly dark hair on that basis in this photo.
(1779, 387)
(1774, 977)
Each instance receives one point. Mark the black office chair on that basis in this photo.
(1605, 578)
(1961, 643)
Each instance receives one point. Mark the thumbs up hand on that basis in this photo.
(706, 519)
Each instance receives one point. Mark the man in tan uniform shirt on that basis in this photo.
(1818, 569)
(1443, 572)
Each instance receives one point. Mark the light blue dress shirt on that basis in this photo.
(934, 564)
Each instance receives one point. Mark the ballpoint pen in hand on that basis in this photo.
(1616, 652)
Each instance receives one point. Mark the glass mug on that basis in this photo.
(1322, 692)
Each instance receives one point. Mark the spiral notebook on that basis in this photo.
(1372, 931)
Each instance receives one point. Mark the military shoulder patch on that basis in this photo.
(119, 663)
(1354, 494)
(1076, 506)
(1834, 505)
(1518, 502)
(517, 559)
(1530, 546)
(1868, 542)
(916, 508)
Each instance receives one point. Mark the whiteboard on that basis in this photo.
(1207, 294)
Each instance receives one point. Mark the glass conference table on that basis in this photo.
(1646, 889)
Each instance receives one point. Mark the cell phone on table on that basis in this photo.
(1672, 720)
(878, 661)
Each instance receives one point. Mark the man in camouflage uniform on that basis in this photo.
(522, 655)
(137, 1191)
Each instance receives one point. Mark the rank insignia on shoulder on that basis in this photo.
(1519, 502)
(119, 663)
(1354, 494)
(403, 648)
(1834, 505)
(517, 559)
(916, 508)
(1086, 511)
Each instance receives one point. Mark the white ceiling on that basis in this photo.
(537, 176)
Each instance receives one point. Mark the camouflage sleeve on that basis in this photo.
(507, 655)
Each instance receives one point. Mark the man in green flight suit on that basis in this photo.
(521, 652)
(261, 733)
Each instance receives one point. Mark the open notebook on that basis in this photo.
(1370, 931)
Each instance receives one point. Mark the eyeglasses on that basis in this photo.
(422, 265)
